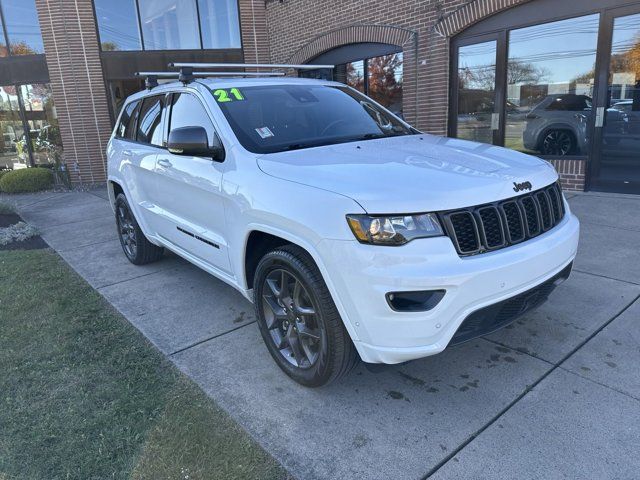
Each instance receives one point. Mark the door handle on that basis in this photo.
(128, 153)
(164, 163)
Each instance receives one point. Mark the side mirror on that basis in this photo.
(193, 141)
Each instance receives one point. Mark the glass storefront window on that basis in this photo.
(621, 130)
(550, 80)
(219, 23)
(12, 146)
(118, 25)
(169, 24)
(385, 77)
(40, 114)
(23, 29)
(476, 91)
(355, 75)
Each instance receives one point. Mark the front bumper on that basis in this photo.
(361, 275)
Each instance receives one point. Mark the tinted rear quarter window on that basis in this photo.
(125, 124)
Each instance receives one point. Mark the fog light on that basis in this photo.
(421, 301)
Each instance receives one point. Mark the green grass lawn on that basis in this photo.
(83, 395)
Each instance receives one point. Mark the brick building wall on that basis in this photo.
(299, 30)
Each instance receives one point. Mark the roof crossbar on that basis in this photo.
(248, 65)
(211, 74)
(187, 74)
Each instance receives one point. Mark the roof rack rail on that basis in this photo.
(186, 72)
(249, 65)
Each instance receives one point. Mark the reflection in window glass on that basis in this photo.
(355, 75)
(40, 113)
(621, 131)
(118, 25)
(476, 91)
(150, 121)
(23, 29)
(385, 81)
(12, 151)
(550, 79)
(169, 24)
(187, 111)
(219, 23)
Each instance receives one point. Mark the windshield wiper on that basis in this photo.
(371, 136)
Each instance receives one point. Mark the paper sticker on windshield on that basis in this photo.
(264, 132)
(223, 95)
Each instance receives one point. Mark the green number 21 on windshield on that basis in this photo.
(227, 95)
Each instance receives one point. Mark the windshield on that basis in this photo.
(275, 118)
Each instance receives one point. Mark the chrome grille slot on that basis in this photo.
(512, 217)
(490, 226)
(531, 216)
(466, 238)
(546, 214)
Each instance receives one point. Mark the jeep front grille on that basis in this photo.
(497, 225)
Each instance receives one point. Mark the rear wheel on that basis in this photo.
(135, 245)
(298, 320)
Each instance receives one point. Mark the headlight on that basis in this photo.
(394, 230)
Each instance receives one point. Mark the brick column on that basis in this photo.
(73, 57)
(253, 27)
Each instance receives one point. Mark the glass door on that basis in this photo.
(616, 165)
(477, 103)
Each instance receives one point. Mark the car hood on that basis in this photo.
(411, 174)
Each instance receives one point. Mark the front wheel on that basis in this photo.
(558, 143)
(298, 319)
(135, 245)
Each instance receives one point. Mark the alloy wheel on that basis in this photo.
(292, 319)
(557, 142)
(127, 231)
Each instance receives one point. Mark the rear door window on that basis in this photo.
(150, 121)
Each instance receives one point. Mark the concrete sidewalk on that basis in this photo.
(556, 395)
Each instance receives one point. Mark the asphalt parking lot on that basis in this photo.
(555, 395)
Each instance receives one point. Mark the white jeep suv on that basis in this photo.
(354, 234)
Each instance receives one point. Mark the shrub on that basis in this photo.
(2, 172)
(26, 180)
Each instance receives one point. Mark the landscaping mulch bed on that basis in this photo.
(33, 243)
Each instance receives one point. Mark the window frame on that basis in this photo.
(141, 33)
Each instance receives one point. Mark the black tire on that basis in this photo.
(326, 350)
(135, 245)
(558, 142)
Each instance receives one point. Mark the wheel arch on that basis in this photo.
(114, 189)
(279, 237)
